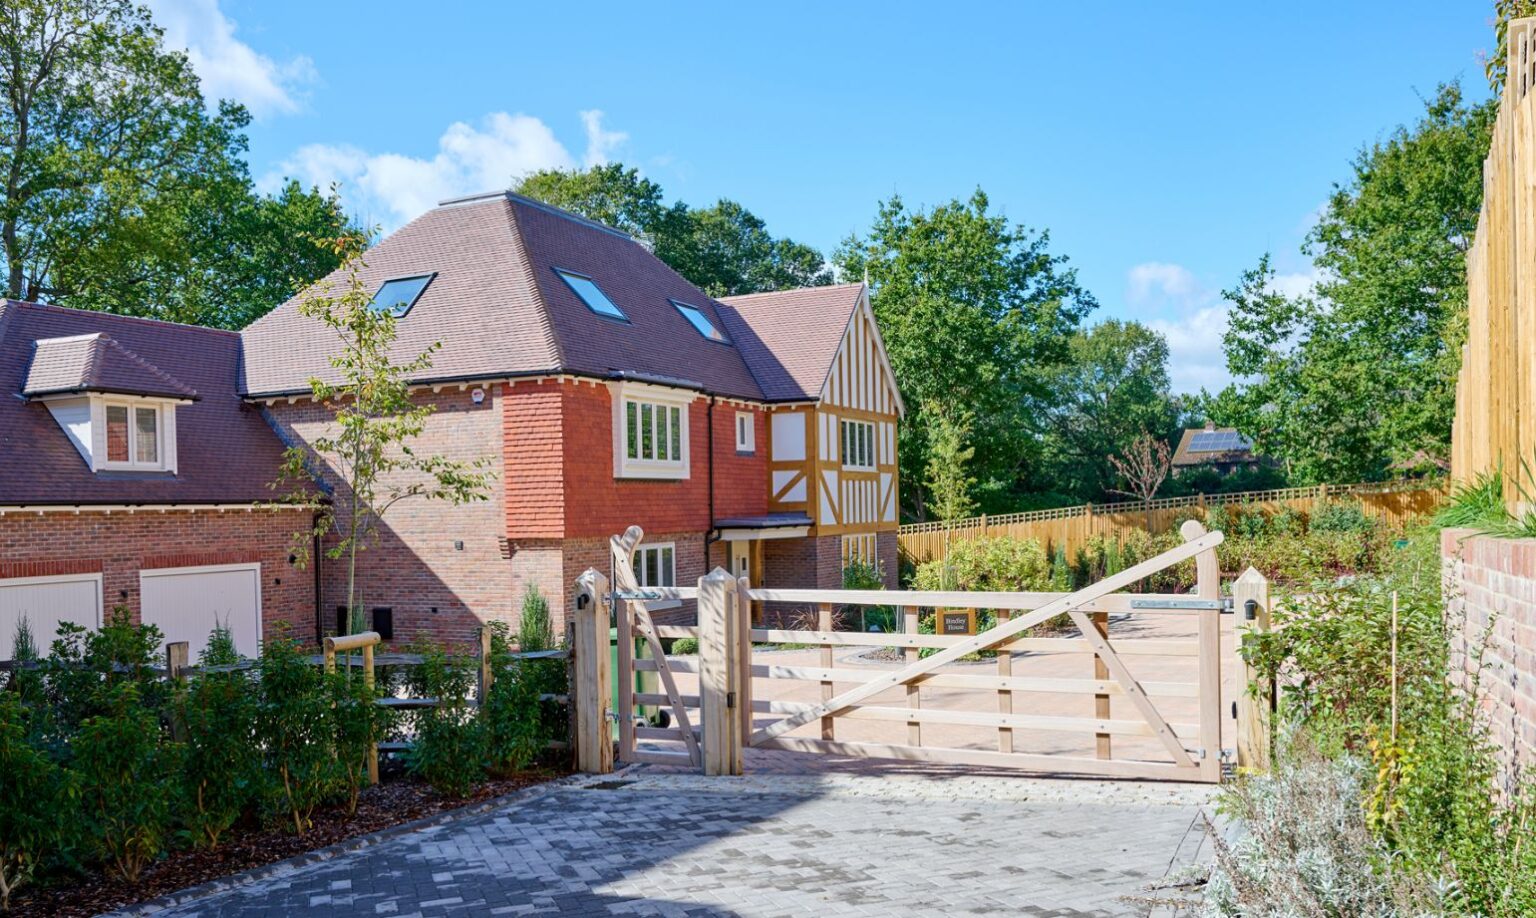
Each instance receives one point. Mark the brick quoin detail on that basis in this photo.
(12, 569)
(201, 559)
(116, 544)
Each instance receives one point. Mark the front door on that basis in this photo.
(741, 559)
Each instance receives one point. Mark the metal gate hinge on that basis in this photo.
(1216, 604)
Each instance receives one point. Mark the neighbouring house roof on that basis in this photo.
(226, 451)
(1211, 445)
(96, 363)
(790, 337)
(498, 306)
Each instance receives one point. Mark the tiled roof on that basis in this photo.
(790, 337)
(498, 307)
(96, 363)
(1185, 456)
(226, 453)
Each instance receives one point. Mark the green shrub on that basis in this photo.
(126, 795)
(1477, 504)
(1306, 848)
(357, 724)
(37, 802)
(449, 747)
(685, 645)
(1341, 516)
(220, 772)
(85, 667)
(1001, 564)
(1062, 580)
(534, 631)
(294, 726)
(511, 719)
(859, 575)
(449, 751)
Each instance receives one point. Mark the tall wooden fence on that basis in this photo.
(1071, 527)
(1496, 390)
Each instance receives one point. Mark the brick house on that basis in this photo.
(133, 474)
(754, 432)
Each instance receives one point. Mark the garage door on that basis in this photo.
(45, 602)
(186, 602)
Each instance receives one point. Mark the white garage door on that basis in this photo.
(186, 602)
(45, 602)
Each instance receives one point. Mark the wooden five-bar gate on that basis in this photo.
(709, 727)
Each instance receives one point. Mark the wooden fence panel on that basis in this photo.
(1496, 389)
(1071, 528)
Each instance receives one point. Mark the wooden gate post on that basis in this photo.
(720, 672)
(176, 657)
(1208, 586)
(591, 692)
(1253, 705)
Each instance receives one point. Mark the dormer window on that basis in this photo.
(133, 436)
(117, 409)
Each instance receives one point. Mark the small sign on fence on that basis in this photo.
(956, 621)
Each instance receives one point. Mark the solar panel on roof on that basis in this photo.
(1219, 442)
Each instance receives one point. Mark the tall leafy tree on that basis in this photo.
(1358, 379)
(370, 452)
(1112, 390)
(723, 250)
(120, 190)
(977, 312)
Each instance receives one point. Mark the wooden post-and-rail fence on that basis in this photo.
(711, 728)
(1070, 528)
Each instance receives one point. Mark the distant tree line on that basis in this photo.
(121, 190)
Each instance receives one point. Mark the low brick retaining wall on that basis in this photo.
(1491, 601)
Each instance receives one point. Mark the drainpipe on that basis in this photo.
(711, 535)
(315, 558)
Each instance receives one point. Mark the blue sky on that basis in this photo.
(1165, 146)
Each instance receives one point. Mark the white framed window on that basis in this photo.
(746, 435)
(859, 445)
(656, 566)
(136, 435)
(860, 548)
(650, 429)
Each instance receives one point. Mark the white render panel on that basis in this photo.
(788, 437)
(796, 492)
(828, 494)
(888, 496)
(74, 416)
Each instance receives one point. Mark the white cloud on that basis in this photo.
(391, 188)
(601, 143)
(1169, 299)
(228, 67)
(1156, 281)
(1297, 284)
(1195, 357)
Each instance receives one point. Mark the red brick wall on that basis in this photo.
(119, 545)
(598, 504)
(741, 479)
(534, 470)
(1490, 592)
(439, 567)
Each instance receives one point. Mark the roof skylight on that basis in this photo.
(592, 295)
(700, 321)
(400, 294)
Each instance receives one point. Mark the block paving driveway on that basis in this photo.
(798, 835)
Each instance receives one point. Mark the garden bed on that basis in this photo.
(379, 807)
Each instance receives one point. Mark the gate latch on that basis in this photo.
(730, 701)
